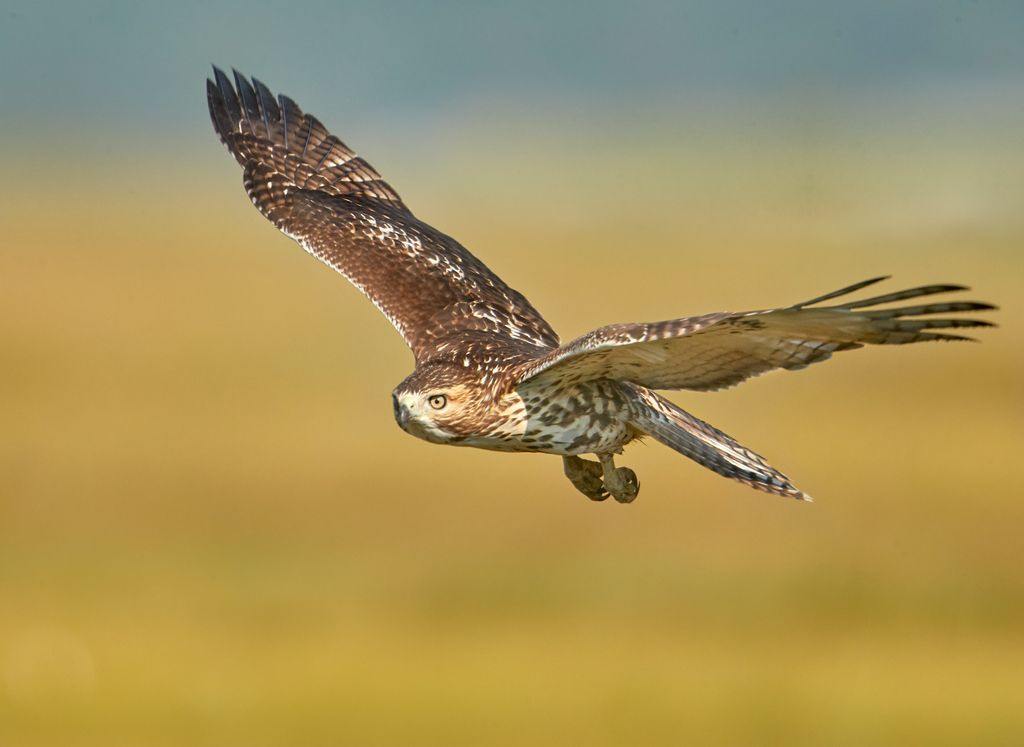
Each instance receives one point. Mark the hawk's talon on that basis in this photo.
(586, 476)
(621, 482)
(629, 486)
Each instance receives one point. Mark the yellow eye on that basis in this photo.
(437, 401)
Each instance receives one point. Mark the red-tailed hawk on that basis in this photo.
(490, 371)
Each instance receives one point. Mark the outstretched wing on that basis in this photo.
(319, 192)
(715, 351)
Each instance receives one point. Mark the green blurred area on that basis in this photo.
(212, 533)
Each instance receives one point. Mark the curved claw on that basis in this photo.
(628, 486)
(620, 482)
(586, 476)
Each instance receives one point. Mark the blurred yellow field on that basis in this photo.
(214, 534)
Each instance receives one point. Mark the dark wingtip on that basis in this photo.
(268, 105)
(870, 281)
(249, 104)
(222, 79)
(243, 84)
(218, 112)
(842, 291)
(227, 93)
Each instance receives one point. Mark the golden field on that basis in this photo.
(212, 532)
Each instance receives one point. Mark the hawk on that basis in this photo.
(490, 371)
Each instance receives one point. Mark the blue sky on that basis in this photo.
(116, 66)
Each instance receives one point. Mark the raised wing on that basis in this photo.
(316, 190)
(715, 351)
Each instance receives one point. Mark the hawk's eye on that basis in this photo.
(437, 401)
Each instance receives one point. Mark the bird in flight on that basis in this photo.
(490, 371)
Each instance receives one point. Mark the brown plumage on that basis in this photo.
(490, 371)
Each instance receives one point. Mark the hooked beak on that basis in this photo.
(401, 413)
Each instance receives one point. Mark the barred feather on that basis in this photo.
(720, 350)
(316, 190)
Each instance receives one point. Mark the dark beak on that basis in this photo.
(401, 414)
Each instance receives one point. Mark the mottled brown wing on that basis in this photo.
(319, 192)
(719, 350)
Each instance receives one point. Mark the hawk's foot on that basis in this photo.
(621, 482)
(586, 476)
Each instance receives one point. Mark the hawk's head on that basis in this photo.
(444, 404)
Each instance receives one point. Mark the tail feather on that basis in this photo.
(707, 445)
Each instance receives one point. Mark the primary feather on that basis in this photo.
(719, 350)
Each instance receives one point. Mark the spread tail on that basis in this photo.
(706, 445)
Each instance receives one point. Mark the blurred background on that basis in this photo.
(212, 532)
